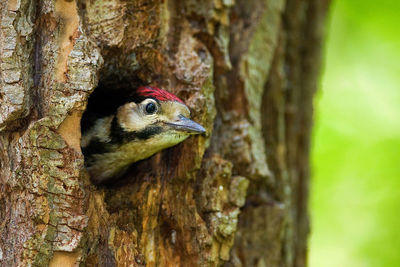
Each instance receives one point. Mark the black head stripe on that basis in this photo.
(95, 147)
(148, 132)
(120, 136)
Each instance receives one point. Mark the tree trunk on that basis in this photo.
(237, 196)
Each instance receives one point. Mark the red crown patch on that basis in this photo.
(157, 93)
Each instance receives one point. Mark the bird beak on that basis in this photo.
(186, 125)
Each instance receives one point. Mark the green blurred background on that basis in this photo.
(355, 197)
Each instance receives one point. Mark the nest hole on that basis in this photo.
(107, 97)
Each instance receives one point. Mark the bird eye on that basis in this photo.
(151, 108)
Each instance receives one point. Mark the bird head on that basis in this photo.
(156, 117)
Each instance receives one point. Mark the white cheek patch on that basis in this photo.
(132, 119)
(134, 122)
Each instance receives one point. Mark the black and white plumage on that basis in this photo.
(153, 121)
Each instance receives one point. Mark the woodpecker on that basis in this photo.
(153, 121)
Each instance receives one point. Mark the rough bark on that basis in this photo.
(237, 196)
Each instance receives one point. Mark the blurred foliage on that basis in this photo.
(355, 197)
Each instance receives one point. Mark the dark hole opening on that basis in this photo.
(106, 98)
(111, 92)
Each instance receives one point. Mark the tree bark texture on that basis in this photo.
(235, 197)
